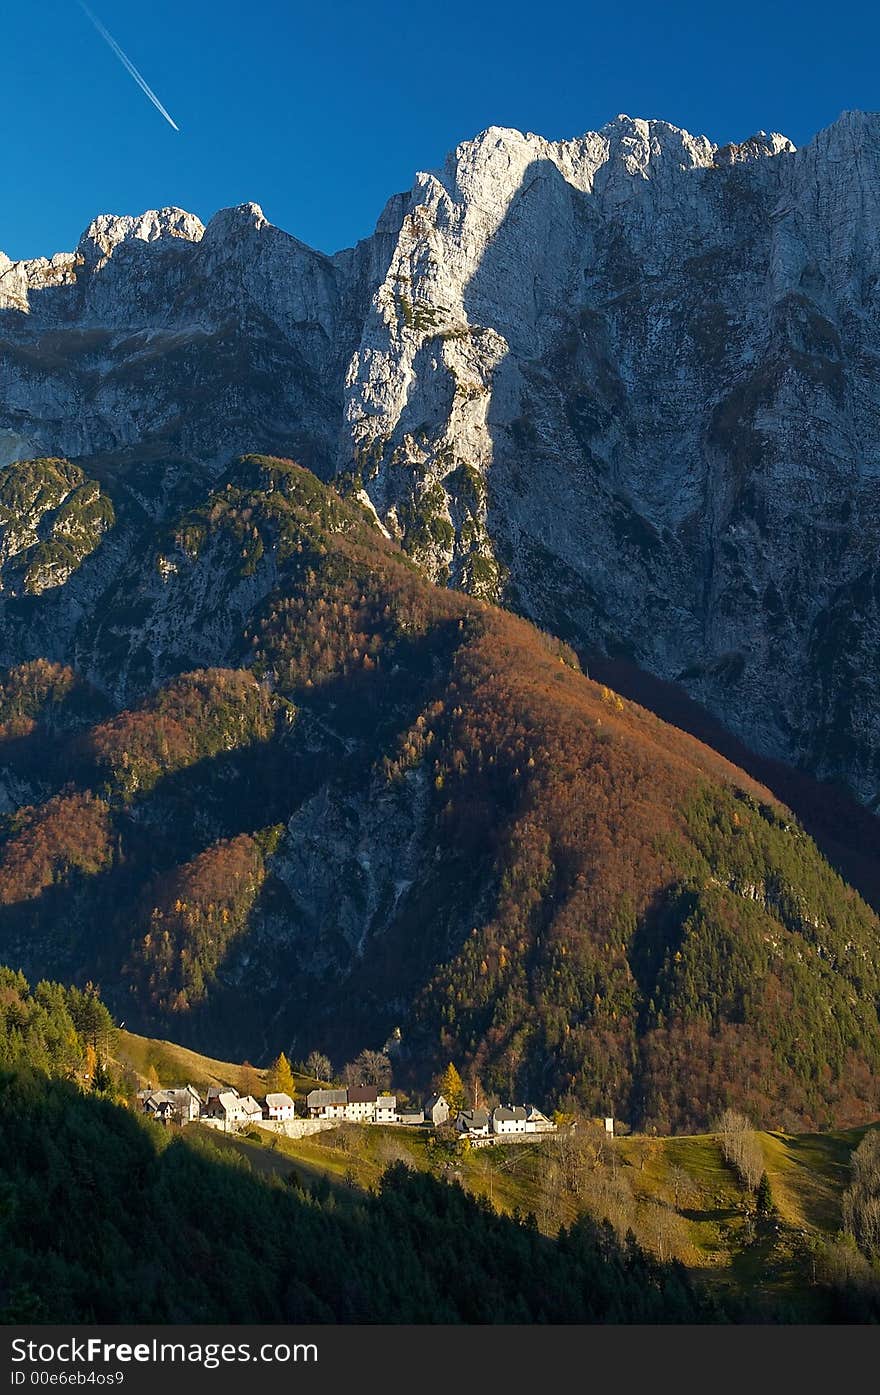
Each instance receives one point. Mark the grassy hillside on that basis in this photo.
(589, 1228)
(175, 1064)
(678, 1195)
(180, 1232)
(339, 800)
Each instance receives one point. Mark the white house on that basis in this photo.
(509, 1119)
(230, 1108)
(225, 1105)
(386, 1109)
(189, 1104)
(361, 1104)
(473, 1123)
(279, 1106)
(436, 1110)
(158, 1108)
(536, 1122)
(326, 1104)
(250, 1111)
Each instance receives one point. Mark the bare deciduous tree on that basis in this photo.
(317, 1065)
(861, 1200)
(665, 1232)
(249, 1080)
(369, 1068)
(741, 1147)
(579, 1153)
(682, 1186)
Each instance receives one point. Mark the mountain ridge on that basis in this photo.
(190, 227)
(629, 384)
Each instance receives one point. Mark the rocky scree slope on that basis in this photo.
(627, 382)
(282, 789)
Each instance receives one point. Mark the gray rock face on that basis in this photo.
(348, 861)
(161, 339)
(628, 382)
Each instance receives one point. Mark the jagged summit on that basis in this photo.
(228, 221)
(853, 118)
(107, 231)
(757, 147)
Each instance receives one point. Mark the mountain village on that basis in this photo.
(326, 1108)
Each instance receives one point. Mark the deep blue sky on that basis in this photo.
(320, 111)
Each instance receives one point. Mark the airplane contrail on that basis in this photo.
(127, 64)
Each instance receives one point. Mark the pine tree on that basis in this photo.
(764, 1197)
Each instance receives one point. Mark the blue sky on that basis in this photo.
(320, 111)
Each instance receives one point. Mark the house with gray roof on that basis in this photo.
(180, 1104)
(162, 1110)
(509, 1118)
(473, 1123)
(407, 1114)
(226, 1106)
(436, 1110)
(214, 1092)
(386, 1109)
(536, 1122)
(279, 1106)
(326, 1104)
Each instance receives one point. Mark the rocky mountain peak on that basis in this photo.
(232, 222)
(758, 147)
(106, 232)
(647, 141)
(854, 121)
(626, 380)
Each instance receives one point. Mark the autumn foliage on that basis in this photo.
(194, 717)
(28, 690)
(189, 920)
(71, 832)
(607, 914)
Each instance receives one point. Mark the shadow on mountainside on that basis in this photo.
(576, 378)
(845, 831)
(88, 924)
(179, 1232)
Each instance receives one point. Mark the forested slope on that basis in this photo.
(287, 793)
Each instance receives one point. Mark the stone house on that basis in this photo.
(409, 1115)
(225, 1105)
(250, 1110)
(536, 1122)
(436, 1110)
(160, 1110)
(215, 1091)
(179, 1104)
(386, 1109)
(361, 1104)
